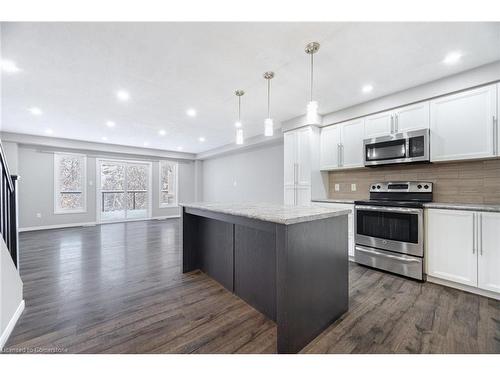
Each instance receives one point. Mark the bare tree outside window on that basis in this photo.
(168, 183)
(69, 182)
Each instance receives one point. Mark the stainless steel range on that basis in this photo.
(389, 227)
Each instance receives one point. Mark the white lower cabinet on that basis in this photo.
(464, 247)
(489, 251)
(350, 220)
(451, 254)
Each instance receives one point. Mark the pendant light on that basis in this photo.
(312, 106)
(268, 122)
(238, 124)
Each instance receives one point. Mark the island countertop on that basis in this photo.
(274, 213)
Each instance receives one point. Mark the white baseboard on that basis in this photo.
(72, 225)
(166, 217)
(56, 226)
(466, 288)
(12, 323)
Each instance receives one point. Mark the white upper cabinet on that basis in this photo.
(489, 251)
(379, 124)
(412, 117)
(352, 135)
(451, 251)
(330, 147)
(341, 145)
(462, 125)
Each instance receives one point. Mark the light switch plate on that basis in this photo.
(337, 187)
(353, 187)
(235, 183)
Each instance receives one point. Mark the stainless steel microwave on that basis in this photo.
(404, 147)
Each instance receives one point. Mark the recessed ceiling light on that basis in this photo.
(48, 131)
(201, 139)
(452, 58)
(146, 144)
(179, 148)
(35, 111)
(162, 132)
(104, 138)
(110, 124)
(122, 95)
(191, 112)
(9, 66)
(367, 88)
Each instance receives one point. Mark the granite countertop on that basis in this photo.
(344, 201)
(464, 206)
(270, 212)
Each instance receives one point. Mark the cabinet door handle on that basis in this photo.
(338, 155)
(396, 123)
(473, 233)
(392, 124)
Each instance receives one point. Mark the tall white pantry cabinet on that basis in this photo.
(301, 161)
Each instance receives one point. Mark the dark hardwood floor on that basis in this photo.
(118, 288)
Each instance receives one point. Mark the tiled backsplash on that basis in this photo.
(463, 182)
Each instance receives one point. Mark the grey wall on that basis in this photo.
(255, 175)
(36, 187)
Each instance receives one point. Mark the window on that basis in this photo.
(69, 183)
(168, 183)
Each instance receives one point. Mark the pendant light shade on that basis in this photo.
(238, 124)
(268, 122)
(312, 107)
(239, 136)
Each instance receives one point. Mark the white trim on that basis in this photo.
(90, 224)
(467, 288)
(12, 323)
(56, 190)
(166, 217)
(57, 226)
(93, 147)
(176, 183)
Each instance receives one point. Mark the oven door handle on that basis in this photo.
(390, 209)
(398, 257)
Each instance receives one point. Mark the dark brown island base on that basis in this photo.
(290, 263)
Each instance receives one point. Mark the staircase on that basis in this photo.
(8, 208)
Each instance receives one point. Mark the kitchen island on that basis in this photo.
(290, 263)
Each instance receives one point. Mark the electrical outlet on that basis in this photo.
(39, 215)
(337, 187)
(353, 187)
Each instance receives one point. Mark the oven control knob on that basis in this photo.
(426, 186)
(419, 186)
(373, 187)
(378, 186)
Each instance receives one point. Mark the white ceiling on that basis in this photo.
(72, 71)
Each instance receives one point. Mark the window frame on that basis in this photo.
(175, 203)
(57, 189)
